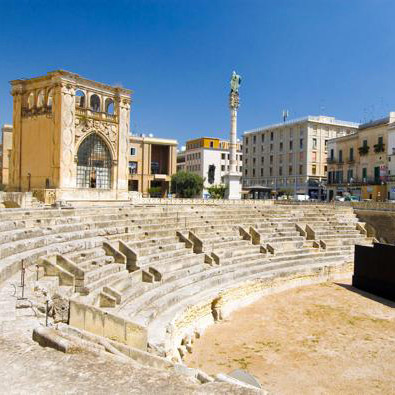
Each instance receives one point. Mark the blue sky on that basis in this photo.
(335, 57)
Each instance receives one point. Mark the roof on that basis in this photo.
(309, 118)
(377, 122)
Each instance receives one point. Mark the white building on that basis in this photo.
(208, 157)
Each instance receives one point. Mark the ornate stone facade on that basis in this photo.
(53, 116)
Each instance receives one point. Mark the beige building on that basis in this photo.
(70, 138)
(152, 162)
(5, 153)
(290, 157)
(358, 164)
(208, 157)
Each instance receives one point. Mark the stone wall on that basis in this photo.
(380, 224)
(101, 323)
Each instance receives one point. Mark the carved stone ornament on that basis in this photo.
(84, 126)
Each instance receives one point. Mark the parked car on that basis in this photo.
(339, 198)
(302, 197)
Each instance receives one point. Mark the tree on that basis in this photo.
(186, 185)
(217, 191)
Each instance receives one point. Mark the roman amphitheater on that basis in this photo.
(131, 288)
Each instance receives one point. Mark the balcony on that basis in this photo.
(331, 161)
(101, 116)
(350, 161)
(355, 181)
(380, 147)
(363, 150)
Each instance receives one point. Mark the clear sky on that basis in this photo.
(335, 57)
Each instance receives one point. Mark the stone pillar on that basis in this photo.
(232, 179)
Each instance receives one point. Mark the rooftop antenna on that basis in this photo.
(285, 115)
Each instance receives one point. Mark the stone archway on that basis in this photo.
(94, 163)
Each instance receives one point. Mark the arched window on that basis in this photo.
(95, 103)
(30, 101)
(109, 106)
(80, 99)
(94, 163)
(50, 98)
(40, 99)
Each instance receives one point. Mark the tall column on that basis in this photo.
(232, 179)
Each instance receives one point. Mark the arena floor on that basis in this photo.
(321, 339)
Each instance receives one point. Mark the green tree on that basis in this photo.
(186, 185)
(217, 191)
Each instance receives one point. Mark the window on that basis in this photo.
(241, 157)
(262, 160)
(271, 147)
(271, 136)
(271, 159)
(280, 171)
(332, 154)
(30, 101)
(314, 170)
(50, 98)
(326, 144)
(132, 151)
(380, 141)
(340, 156)
(351, 153)
(222, 156)
(271, 171)
(263, 138)
(95, 103)
(365, 143)
(291, 145)
(253, 150)
(314, 156)
(261, 171)
(246, 140)
(253, 161)
(364, 174)
(80, 99)
(290, 170)
(228, 156)
(245, 172)
(254, 139)
(349, 175)
(222, 167)
(314, 143)
(246, 161)
(155, 167)
(211, 144)
(325, 168)
(132, 167)
(300, 169)
(281, 146)
(246, 150)
(40, 99)
(94, 163)
(109, 106)
(253, 172)
(301, 143)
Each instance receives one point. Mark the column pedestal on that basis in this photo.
(233, 186)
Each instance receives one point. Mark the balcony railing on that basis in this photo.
(363, 150)
(87, 113)
(361, 181)
(380, 147)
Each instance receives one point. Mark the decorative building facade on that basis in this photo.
(361, 164)
(70, 138)
(5, 154)
(152, 162)
(290, 157)
(208, 157)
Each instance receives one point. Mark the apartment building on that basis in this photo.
(208, 157)
(290, 157)
(362, 164)
(152, 162)
(5, 153)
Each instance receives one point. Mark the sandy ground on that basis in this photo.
(321, 339)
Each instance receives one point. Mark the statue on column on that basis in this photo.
(235, 82)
